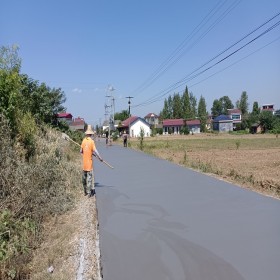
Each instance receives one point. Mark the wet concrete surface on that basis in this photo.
(161, 221)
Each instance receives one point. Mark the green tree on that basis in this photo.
(10, 86)
(193, 104)
(202, 113)
(170, 107)
(177, 106)
(256, 109)
(9, 58)
(187, 112)
(217, 108)
(243, 103)
(226, 104)
(123, 115)
(266, 120)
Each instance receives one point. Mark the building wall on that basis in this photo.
(135, 129)
(223, 126)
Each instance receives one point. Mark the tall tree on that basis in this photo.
(226, 104)
(170, 107)
(243, 103)
(164, 113)
(193, 104)
(177, 106)
(217, 108)
(202, 113)
(186, 104)
(256, 109)
(9, 58)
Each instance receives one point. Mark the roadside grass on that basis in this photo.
(251, 161)
(31, 193)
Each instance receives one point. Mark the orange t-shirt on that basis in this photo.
(88, 148)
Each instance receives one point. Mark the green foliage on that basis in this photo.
(202, 113)
(141, 138)
(242, 103)
(237, 143)
(266, 120)
(9, 58)
(27, 131)
(115, 135)
(30, 190)
(185, 130)
(186, 103)
(123, 115)
(16, 235)
(177, 106)
(217, 108)
(226, 104)
(256, 109)
(193, 105)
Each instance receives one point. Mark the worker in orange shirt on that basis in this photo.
(88, 150)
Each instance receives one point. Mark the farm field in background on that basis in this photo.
(251, 161)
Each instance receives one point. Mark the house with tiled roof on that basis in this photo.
(152, 119)
(268, 107)
(133, 126)
(175, 126)
(66, 117)
(236, 116)
(78, 124)
(223, 123)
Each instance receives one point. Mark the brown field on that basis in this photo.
(251, 161)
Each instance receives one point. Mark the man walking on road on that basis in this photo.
(124, 139)
(88, 150)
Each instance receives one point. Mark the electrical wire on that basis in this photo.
(180, 50)
(162, 93)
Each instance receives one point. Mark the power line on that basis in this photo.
(177, 54)
(162, 93)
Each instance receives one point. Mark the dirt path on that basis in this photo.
(71, 246)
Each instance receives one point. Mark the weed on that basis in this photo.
(237, 143)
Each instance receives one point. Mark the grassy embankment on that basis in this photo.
(33, 196)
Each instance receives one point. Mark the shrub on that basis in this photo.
(30, 191)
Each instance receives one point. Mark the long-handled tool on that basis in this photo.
(66, 137)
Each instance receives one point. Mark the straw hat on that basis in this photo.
(89, 130)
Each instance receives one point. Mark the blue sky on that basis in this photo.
(148, 49)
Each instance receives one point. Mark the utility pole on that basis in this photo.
(111, 105)
(129, 97)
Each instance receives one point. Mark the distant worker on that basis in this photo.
(107, 137)
(88, 150)
(124, 139)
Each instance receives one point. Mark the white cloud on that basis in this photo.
(77, 90)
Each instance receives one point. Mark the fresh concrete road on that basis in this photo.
(160, 221)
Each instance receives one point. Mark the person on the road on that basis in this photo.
(88, 150)
(107, 136)
(124, 136)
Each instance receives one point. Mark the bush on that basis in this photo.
(30, 191)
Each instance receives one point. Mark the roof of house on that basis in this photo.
(193, 122)
(180, 122)
(64, 115)
(222, 118)
(131, 120)
(151, 115)
(77, 122)
(173, 122)
(234, 111)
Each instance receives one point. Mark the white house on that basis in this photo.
(133, 126)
